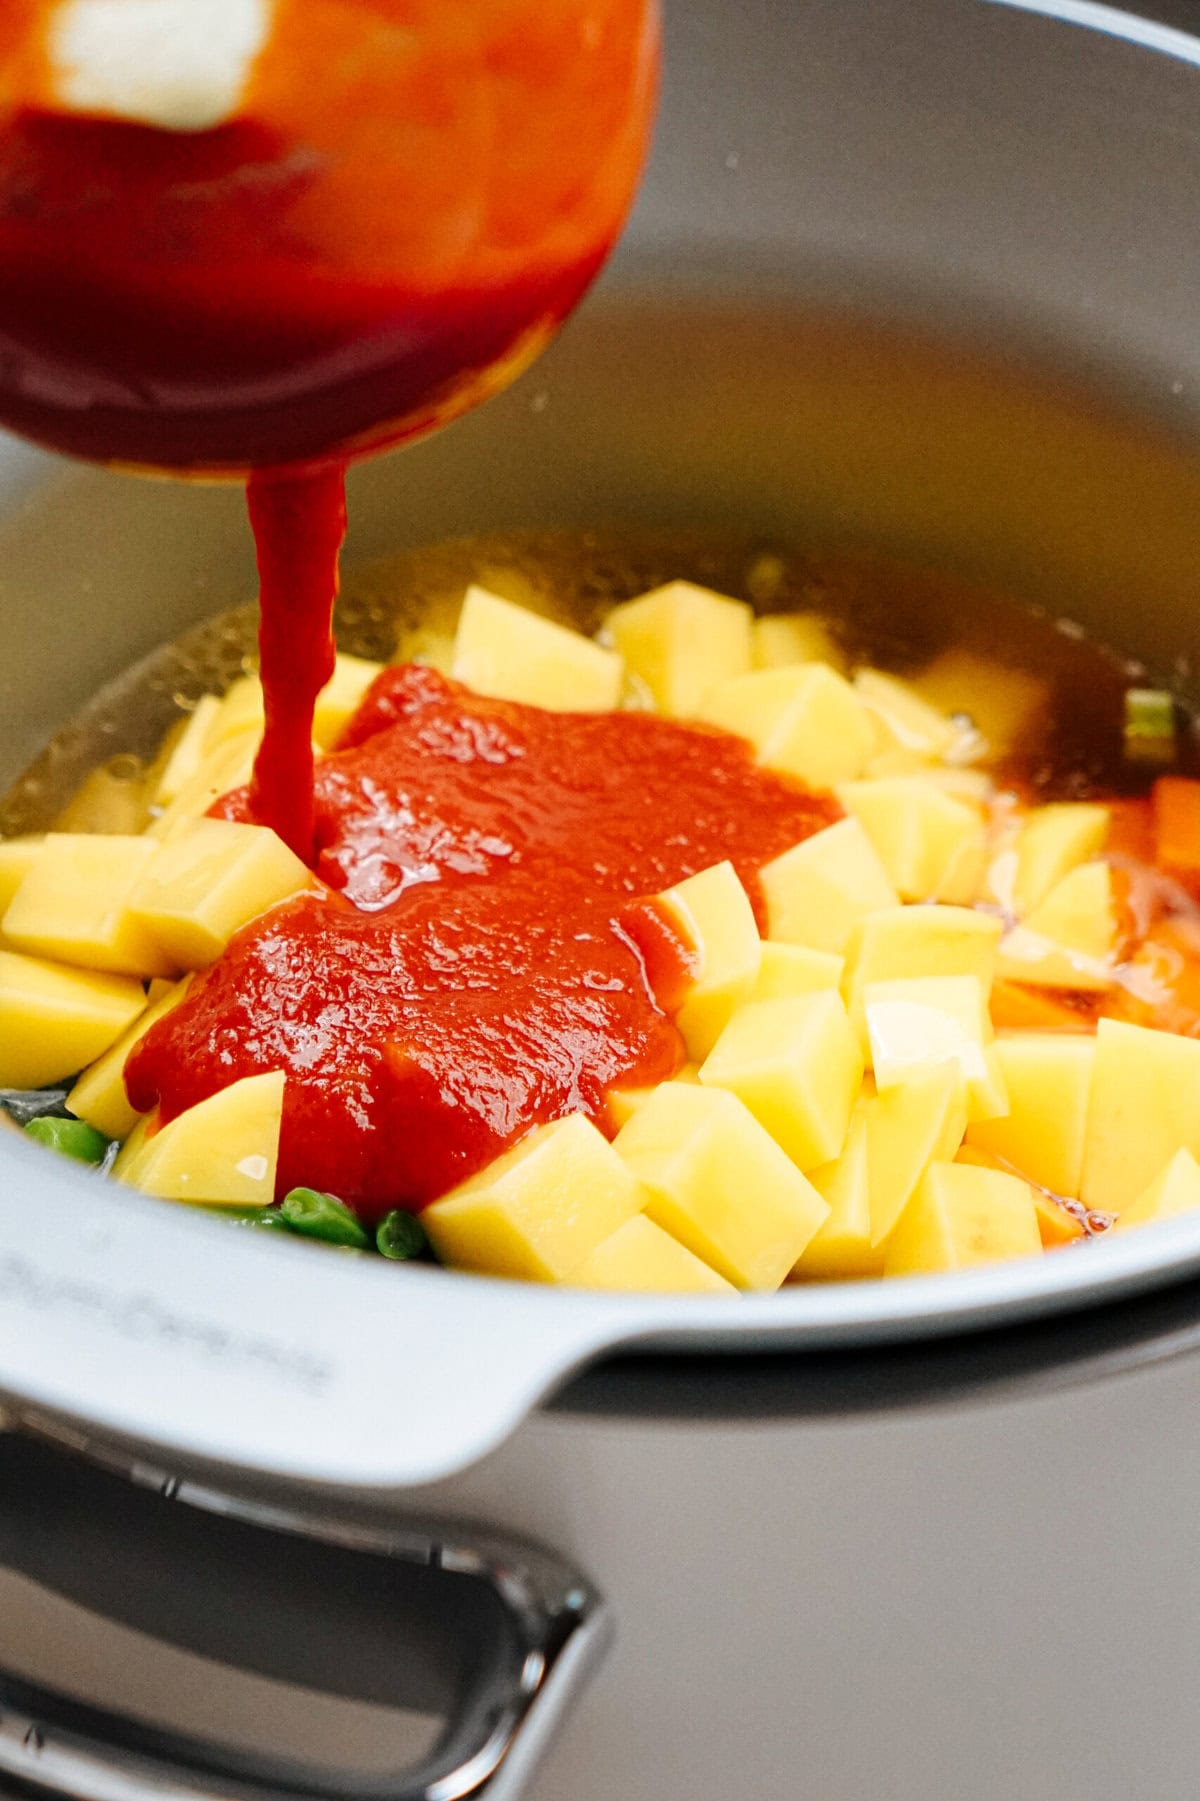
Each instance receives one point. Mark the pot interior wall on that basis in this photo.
(809, 421)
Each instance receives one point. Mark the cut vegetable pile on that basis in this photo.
(943, 1026)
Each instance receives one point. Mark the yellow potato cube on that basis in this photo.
(915, 1023)
(17, 858)
(207, 879)
(188, 751)
(223, 1151)
(99, 1094)
(680, 641)
(905, 942)
(73, 906)
(539, 1209)
(917, 832)
(620, 1104)
(341, 697)
(54, 1020)
(230, 765)
(806, 722)
(820, 890)
(1048, 1076)
(961, 1216)
(907, 1128)
(909, 721)
(720, 1184)
(640, 1257)
(1175, 1191)
(1058, 1224)
(784, 639)
(797, 1066)
(112, 799)
(842, 1248)
(1079, 912)
(1145, 1106)
(713, 912)
(509, 653)
(790, 969)
(1052, 841)
(1069, 939)
(1004, 705)
(241, 710)
(426, 645)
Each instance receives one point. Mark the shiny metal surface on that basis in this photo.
(477, 1732)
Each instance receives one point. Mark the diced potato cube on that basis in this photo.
(640, 1257)
(73, 906)
(538, 1210)
(1079, 912)
(1145, 1106)
(433, 648)
(907, 1128)
(681, 640)
(797, 1066)
(509, 653)
(223, 1151)
(817, 892)
(17, 858)
(114, 799)
(54, 1020)
(1069, 939)
(842, 1248)
(790, 969)
(962, 1216)
(918, 941)
(341, 697)
(241, 710)
(1052, 841)
(917, 831)
(912, 722)
(99, 1094)
(972, 785)
(207, 879)
(620, 1104)
(1175, 1191)
(1048, 1076)
(713, 912)
(228, 766)
(917, 1022)
(189, 749)
(720, 1184)
(806, 722)
(1057, 1224)
(1005, 705)
(784, 639)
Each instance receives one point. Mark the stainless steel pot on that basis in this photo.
(921, 274)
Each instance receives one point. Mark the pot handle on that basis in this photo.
(146, 1323)
(479, 1640)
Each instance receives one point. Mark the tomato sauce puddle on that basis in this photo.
(485, 957)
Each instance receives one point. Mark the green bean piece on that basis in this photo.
(401, 1236)
(323, 1216)
(1149, 725)
(70, 1137)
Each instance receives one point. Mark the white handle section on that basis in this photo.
(184, 1333)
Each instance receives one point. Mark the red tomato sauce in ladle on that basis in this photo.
(265, 267)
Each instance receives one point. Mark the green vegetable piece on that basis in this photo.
(70, 1137)
(1150, 724)
(401, 1236)
(323, 1216)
